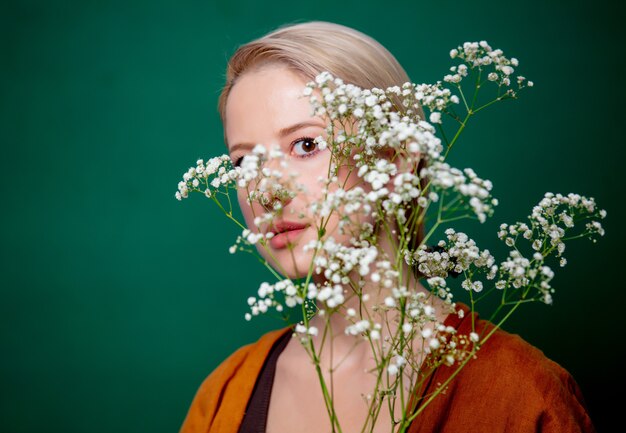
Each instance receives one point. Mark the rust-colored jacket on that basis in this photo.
(510, 387)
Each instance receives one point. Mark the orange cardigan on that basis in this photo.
(510, 387)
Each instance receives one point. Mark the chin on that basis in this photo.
(289, 259)
(294, 264)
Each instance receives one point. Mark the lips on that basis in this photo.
(285, 226)
(285, 232)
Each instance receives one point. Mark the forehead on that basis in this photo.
(262, 102)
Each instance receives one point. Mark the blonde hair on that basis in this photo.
(312, 47)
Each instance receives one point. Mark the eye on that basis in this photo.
(304, 146)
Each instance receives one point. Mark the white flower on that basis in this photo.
(371, 100)
(358, 328)
(392, 120)
(507, 70)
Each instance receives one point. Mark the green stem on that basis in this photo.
(458, 132)
(456, 372)
(482, 107)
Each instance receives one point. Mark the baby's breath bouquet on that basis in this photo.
(388, 189)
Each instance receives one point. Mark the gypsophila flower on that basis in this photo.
(267, 297)
(390, 302)
(475, 192)
(435, 96)
(476, 286)
(358, 327)
(457, 255)
(553, 216)
(387, 141)
(516, 267)
(481, 55)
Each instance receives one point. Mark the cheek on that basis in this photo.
(348, 177)
(309, 172)
(246, 210)
(313, 188)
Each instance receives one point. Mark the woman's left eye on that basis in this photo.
(304, 146)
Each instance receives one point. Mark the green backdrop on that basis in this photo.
(117, 300)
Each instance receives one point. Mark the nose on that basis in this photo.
(276, 195)
(275, 189)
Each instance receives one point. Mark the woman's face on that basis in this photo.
(265, 106)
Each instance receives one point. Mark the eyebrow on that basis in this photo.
(282, 132)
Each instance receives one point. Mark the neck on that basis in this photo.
(363, 300)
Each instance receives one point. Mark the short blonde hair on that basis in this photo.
(312, 47)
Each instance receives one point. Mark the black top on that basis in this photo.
(255, 418)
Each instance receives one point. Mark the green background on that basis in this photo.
(117, 300)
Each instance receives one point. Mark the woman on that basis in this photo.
(270, 385)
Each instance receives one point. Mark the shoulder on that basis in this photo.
(237, 372)
(510, 359)
(519, 382)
